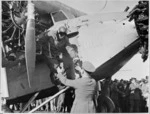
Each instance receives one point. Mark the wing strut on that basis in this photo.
(29, 102)
(49, 99)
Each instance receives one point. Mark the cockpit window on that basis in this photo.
(58, 16)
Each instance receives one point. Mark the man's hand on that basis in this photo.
(61, 68)
(78, 68)
(61, 75)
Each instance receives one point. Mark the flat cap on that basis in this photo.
(87, 66)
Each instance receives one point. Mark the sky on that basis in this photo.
(135, 67)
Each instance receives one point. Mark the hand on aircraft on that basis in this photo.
(59, 70)
(61, 76)
(78, 68)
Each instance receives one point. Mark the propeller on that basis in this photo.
(30, 42)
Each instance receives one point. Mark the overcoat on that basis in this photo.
(85, 88)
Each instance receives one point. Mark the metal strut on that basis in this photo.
(51, 98)
(29, 102)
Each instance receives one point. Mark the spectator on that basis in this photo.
(134, 96)
(120, 87)
(115, 95)
(127, 94)
(145, 94)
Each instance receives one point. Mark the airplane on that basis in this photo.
(32, 75)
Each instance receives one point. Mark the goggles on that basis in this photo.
(62, 33)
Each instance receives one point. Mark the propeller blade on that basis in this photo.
(30, 43)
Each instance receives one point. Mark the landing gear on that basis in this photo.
(105, 104)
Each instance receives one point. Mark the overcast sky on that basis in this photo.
(134, 68)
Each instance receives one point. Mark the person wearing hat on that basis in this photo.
(62, 43)
(53, 44)
(85, 88)
(62, 39)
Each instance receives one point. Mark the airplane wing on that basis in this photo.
(108, 52)
(45, 6)
(110, 67)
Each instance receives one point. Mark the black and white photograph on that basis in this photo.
(74, 56)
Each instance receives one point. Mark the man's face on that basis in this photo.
(71, 52)
(133, 81)
(61, 35)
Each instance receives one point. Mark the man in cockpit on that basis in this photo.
(61, 42)
(54, 49)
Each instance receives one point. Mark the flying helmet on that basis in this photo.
(87, 66)
(62, 29)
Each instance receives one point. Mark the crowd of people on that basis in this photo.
(130, 95)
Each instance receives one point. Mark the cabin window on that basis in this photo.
(59, 16)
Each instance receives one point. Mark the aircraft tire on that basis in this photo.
(105, 104)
